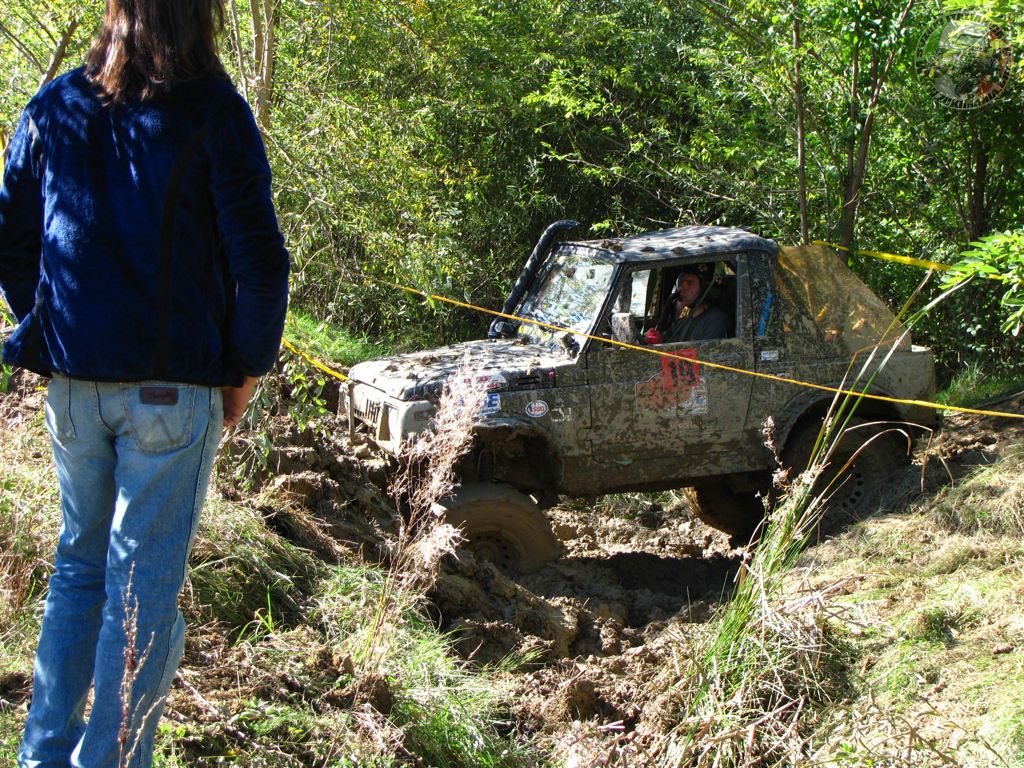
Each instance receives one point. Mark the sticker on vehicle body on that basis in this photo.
(536, 409)
(558, 415)
(492, 404)
(489, 380)
(673, 385)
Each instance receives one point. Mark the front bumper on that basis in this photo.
(385, 421)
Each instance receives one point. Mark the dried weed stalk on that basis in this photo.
(128, 738)
(872, 736)
(428, 474)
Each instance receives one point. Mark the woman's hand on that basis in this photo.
(236, 400)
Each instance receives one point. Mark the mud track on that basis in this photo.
(596, 625)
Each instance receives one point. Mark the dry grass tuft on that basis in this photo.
(990, 501)
(746, 704)
(874, 736)
(430, 460)
(29, 503)
(427, 476)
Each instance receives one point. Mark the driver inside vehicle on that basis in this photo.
(689, 315)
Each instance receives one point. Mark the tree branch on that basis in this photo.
(59, 53)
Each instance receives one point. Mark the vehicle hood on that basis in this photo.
(508, 364)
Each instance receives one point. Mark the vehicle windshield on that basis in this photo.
(571, 287)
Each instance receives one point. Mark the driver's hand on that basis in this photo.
(653, 336)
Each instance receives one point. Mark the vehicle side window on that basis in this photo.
(695, 302)
(765, 308)
(639, 297)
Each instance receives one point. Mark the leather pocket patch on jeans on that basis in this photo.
(158, 395)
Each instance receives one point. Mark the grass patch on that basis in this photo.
(302, 695)
(974, 385)
(990, 501)
(29, 518)
(329, 343)
(936, 635)
(242, 573)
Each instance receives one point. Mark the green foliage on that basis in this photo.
(428, 143)
(30, 37)
(329, 343)
(974, 385)
(306, 404)
(998, 257)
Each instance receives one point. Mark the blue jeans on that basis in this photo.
(133, 462)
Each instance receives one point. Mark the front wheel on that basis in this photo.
(502, 525)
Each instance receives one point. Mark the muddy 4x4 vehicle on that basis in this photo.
(571, 412)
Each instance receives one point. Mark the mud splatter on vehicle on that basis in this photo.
(580, 405)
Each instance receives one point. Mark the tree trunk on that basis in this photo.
(860, 145)
(798, 98)
(264, 43)
(236, 37)
(850, 188)
(977, 205)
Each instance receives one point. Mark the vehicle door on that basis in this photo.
(675, 409)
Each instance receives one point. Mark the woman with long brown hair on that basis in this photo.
(140, 252)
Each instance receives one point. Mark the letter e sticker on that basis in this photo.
(492, 404)
(536, 409)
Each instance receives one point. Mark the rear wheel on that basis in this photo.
(502, 525)
(873, 456)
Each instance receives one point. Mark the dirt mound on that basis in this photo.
(968, 440)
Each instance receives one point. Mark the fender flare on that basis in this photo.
(542, 461)
(811, 403)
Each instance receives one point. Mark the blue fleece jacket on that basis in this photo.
(139, 241)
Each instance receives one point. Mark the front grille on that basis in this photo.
(368, 412)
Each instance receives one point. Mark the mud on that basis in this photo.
(590, 630)
(594, 628)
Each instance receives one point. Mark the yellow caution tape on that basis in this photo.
(718, 366)
(313, 361)
(662, 353)
(890, 257)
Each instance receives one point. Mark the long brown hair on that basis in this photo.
(146, 47)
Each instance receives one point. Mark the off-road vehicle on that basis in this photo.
(587, 409)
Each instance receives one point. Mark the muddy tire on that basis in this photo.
(737, 513)
(859, 491)
(502, 525)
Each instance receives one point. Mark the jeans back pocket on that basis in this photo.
(160, 415)
(58, 410)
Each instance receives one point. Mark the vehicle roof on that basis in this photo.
(695, 241)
